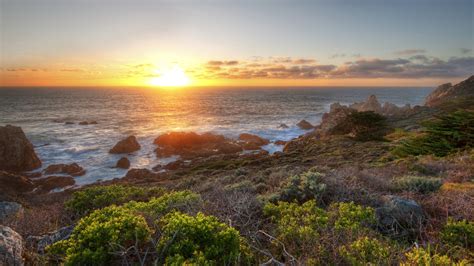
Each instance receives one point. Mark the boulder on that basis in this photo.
(252, 142)
(400, 217)
(54, 182)
(123, 163)
(448, 92)
(13, 184)
(283, 126)
(190, 145)
(10, 210)
(39, 243)
(72, 169)
(11, 247)
(303, 124)
(127, 145)
(280, 142)
(16, 151)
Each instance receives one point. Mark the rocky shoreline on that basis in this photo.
(208, 160)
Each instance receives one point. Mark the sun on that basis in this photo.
(171, 77)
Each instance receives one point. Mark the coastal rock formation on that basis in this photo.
(372, 104)
(72, 169)
(141, 174)
(337, 114)
(12, 184)
(399, 216)
(123, 163)
(283, 126)
(11, 247)
(53, 182)
(303, 124)
(39, 243)
(280, 142)
(10, 209)
(127, 145)
(191, 145)
(252, 142)
(448, 92)
(16, 151)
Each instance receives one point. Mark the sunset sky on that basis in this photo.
(235, 43)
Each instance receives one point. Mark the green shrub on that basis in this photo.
(446, 134)
(418, 184)
(363, 126)
(86, 200)
(303, 187)
(421, 256)
(96, 236)
(351, 216)
(366, 251)
(168, 202)
(458, 233)
(199, 240)
(298, 226)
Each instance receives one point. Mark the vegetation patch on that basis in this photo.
(363, 126)
(417, 184)
(458, 233)
(303, 187)
(443, 135)
(366, 251)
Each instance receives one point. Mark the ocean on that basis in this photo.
(147, 113)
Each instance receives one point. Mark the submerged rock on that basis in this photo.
(127, 145)
(191, 145)
(85, 123)
(448, 92)
(16, 151)
(54, 182)
(252, 142)
(283, 126)
(123, 163)
(303, 124)
(39, 243)
(10, 209)
(72, 169)
(11, 247)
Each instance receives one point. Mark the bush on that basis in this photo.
(446, 134)
(366, 251)
(418, 184)
(96, 236)
(303, 187)
(351, 216)
(96, 197)
(298, 226)
(200, 240)
(421, 256)
(458, 233)
(363, 126)
(156, 207)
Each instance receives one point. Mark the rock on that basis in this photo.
(39, 243)
(372, 104)
(85, 123)
(283, 126)
(16, 151)
(280, 142)
(127, 145)
(72, 169)
(123, 163)
(303, 124)
(448, 92)
(9, 210)
(336, 115)
(190, 145)
(69, 123)
(11, 247)
(252, 142)
(140, 173)
(54, 182)
(12, 184)
(174, 165)
(400, 217)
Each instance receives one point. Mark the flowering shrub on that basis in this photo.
(86, 200)
(421, 256)
(96, 236)
(350, 215)
(366, 251)
(200, 240)
(459, 233)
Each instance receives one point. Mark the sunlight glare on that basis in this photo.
(172, 77)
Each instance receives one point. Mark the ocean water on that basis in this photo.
(147, 113)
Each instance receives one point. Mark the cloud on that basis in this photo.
(223, 63)
(465, 50)
(410, 52)
(72, 70)
(416, 66)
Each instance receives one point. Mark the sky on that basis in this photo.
(236, 43)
